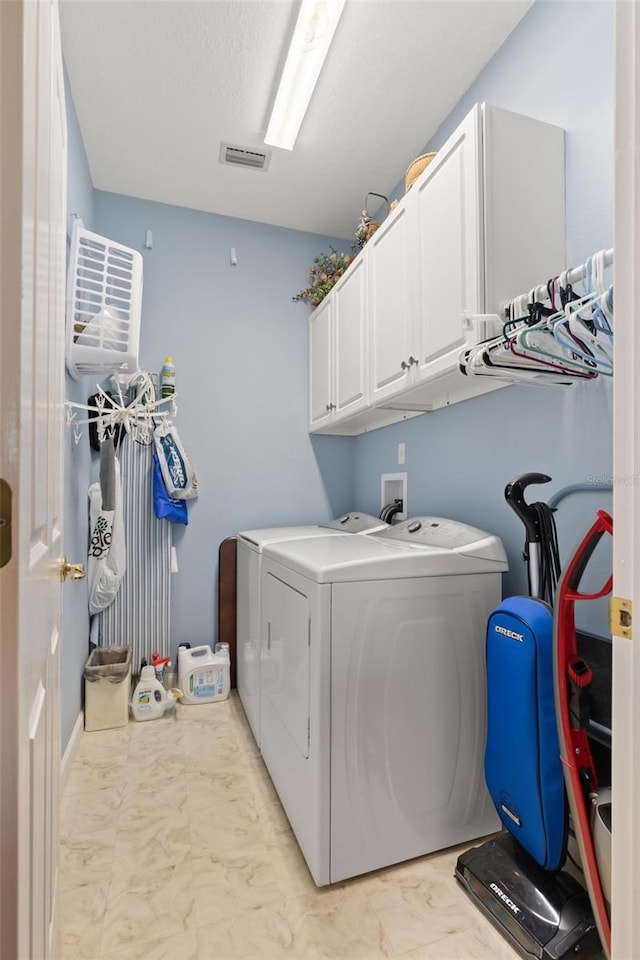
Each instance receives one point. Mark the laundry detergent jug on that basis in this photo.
(203, 676)
(150, 699)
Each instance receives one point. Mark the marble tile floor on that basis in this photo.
(174, 846)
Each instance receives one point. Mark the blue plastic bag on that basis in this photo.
(164, 507)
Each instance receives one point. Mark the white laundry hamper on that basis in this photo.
(104, 303)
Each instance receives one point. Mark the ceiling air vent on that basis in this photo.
(244, 157)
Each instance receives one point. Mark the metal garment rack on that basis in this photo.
(572, 276)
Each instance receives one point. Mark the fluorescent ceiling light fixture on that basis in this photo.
(315, 27)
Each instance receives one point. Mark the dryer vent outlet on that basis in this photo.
(393, 487)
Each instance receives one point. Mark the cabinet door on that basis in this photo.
(450, 247)
(320, 363)
(390, 297)
(350, 327)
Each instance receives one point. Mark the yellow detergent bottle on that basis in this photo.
(149, 698)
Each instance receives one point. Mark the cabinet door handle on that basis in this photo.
(412, 360)
(331, 406)
(404, 365)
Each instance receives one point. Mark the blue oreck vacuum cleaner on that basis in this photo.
(516, 878)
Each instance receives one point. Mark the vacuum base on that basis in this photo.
(543, 915)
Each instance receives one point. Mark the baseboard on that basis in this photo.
(70, 751)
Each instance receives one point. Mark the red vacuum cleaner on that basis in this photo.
(590, 806)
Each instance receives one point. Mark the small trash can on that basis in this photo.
(107, 688)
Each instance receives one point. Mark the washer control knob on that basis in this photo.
(414, 527)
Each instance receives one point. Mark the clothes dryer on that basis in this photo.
(373, 690)
(249, 554)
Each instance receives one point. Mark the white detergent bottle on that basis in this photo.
(203, 676)
(149, 697)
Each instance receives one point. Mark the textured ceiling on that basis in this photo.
(159, 84)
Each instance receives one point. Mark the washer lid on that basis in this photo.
(346, 559)
(447, 534)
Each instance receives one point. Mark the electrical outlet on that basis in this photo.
(401, 452)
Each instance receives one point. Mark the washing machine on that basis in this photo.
(373, 698)
(249, 554)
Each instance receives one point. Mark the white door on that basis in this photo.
(320, 364)
(449, 245)
(350, 336)
(625, 916)
(391, 277)
(32, 263)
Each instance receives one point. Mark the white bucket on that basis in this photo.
(203, 676)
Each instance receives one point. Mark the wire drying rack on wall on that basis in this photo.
(131, 406)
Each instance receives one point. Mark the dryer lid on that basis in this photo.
(257, 539)
(354, 522)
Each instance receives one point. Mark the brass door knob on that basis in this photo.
(75, 571)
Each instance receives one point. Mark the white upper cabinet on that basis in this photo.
(425, 272)
(483, 223)
(449, 247)
(391, 307)
(350, 338)
(338, 351)
(321, 363)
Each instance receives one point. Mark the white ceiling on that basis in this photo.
(159, 84)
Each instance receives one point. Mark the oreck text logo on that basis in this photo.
(510, 633)
(505, 899)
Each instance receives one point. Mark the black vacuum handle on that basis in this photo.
(514, 495)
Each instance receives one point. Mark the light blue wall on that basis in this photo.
(77, 462)
(239, 345)
(557, 66)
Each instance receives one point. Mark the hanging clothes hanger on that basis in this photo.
(566, 341)
(585, 329)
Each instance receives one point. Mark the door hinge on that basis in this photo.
(620, 618)
(5, 523)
